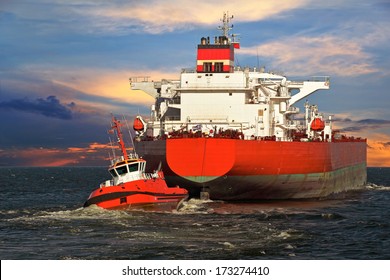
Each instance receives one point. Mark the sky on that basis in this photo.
(65, 65)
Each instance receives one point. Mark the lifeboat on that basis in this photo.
(131, 187)
(138, 125)
(317, 124)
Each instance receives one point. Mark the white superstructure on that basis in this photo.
(217, 98)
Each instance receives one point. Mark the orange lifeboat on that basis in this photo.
(317, 124)
(138, 125)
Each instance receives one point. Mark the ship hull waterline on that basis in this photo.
(233, 169)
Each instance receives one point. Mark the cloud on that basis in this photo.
(378, 152)
(96, 91)
(113, 85)
(90, 86)
(386, 144)
(94, 154)
(323, 55)
(152, 16)
(49, 107)
(364, 125)
(373, 122)
(165, 16)
(376, 131)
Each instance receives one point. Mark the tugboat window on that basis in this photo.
(113, 173)
(121, 170)
(133, 167)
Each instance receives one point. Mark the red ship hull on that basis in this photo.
(233, 169)
(150, 194)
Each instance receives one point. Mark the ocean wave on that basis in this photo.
(89, 213)
(332, 216)
(372, 186)
(264, 211)
(195, 206)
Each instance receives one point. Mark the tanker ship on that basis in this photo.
(235, 133)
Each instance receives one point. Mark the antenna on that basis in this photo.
(112, 148)
(234, 36)
(131, 137)
(226, 24)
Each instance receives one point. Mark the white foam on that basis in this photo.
(372, 186)
(227, 245)
(284, 235)
(195, 206)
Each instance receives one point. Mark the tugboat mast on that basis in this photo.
(116, 125)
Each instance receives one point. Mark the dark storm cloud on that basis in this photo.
(374, 121)
(345, 120)
(386, 144)
(352, 129)
(49, 107)
(365, 124)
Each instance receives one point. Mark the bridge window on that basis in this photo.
(218, 67)
(121, 169)
(113, 173)
(207, 66)
(133, 167)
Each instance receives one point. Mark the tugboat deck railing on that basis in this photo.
(131, 156)
(142, 176)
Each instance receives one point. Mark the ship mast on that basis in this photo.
(116, 125)
(226, 24)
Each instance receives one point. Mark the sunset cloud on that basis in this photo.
(153, 16)
(326, 55)
(105, 83)
(93, 154)
(376, 131)
(166, 16)
(82, 91)
(378, 152)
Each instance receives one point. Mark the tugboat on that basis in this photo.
(132, 188)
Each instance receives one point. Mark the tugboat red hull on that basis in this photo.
(144, 194)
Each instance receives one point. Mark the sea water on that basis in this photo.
(42, 218)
